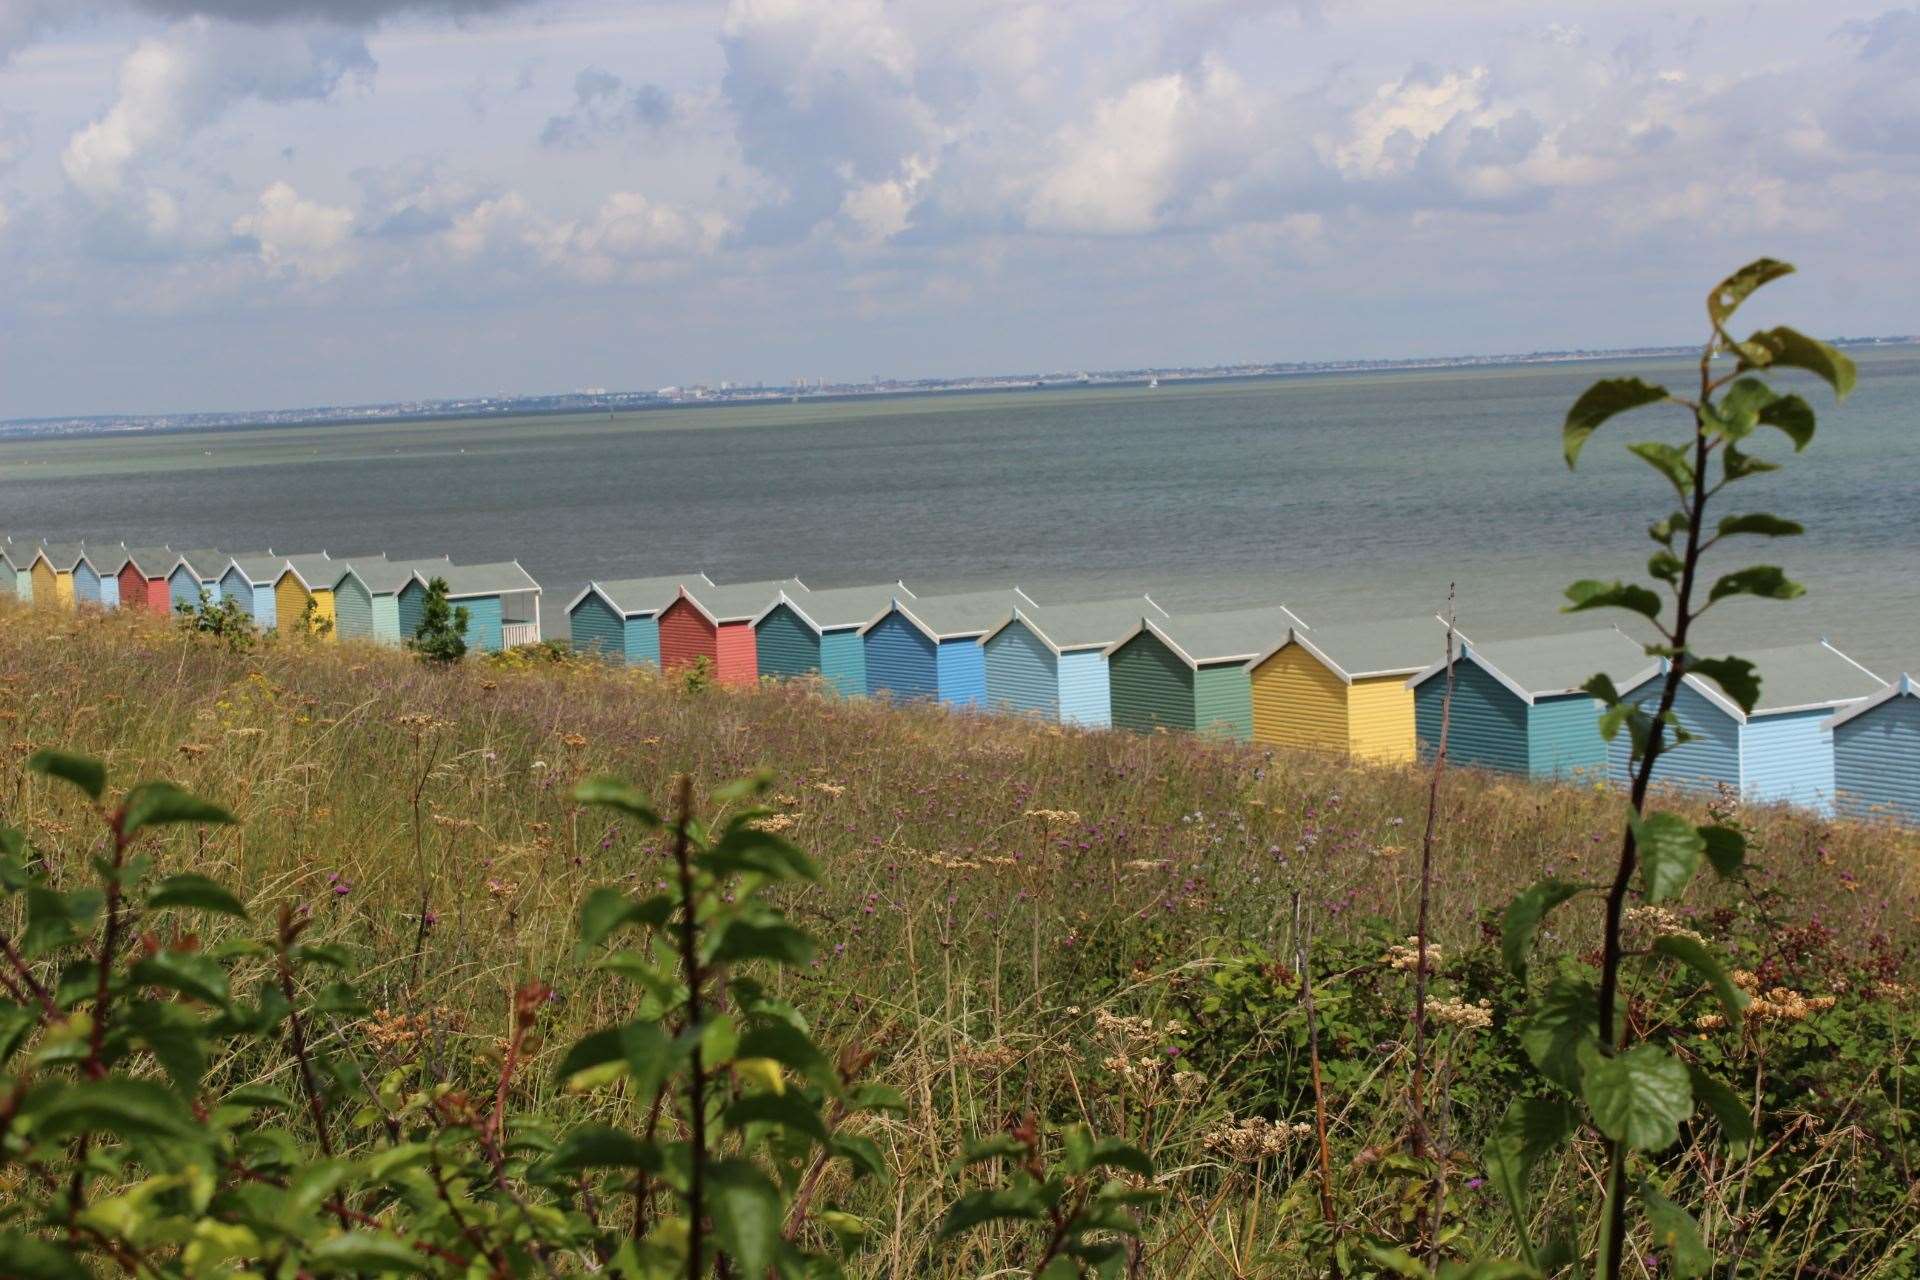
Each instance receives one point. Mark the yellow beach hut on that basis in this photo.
(53, 571)
(1343, 687)
(307, 580)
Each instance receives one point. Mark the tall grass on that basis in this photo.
(1014, 917)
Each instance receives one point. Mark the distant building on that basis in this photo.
(1876, 754)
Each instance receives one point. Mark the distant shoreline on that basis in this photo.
(626, 402)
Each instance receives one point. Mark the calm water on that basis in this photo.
(1346, 497)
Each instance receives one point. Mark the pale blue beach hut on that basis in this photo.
(1518, 705)
(1782, 750)
(248, 581)
(196, 574)
(366, 596)
(15, 573)
(1052, 662)
(1876, 754)
(619, 618)
(929, 647)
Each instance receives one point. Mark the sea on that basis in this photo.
(1347, 497)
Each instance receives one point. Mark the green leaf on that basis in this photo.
(615, 794)
(776, 941)
(188, 972)
(1670, 461)
(861, 1153)
(1562, 1030)
(55, 919)
(595, 1049)
(1396, 1261)
(1738, 465)
(153, 804)
(1601, 401)
(651, 1055)
(358, 1251)
(1792, 415)
(1697, 956)
(1726, 850)
(1589, 593)
(1666, 567)
(25, 1258)
(1761, 525)
(1531, 1130)
(1737, 677)
(1523, 918)
(1739, 411)
(83, 772)
(1728, 1107)
(198, 892)
(791, 1047)
(116, 1106)
(1670, 851)
(597, 1146)
(746, 1214)
(382, 1166)
(1763, 580)
(1666, 530)
(747, 849)
(1784, 348)
(608, 909)
(1489, 1269)
(1675, 1234)
(790, 1110)
(1738, 287)
(1600, 685)
(995, 1205)
(1640, 1097)
(1114, 1153)
(1000, 1147)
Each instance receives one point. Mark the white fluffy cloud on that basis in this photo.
(309, 239)
(628, 236)
(175, 84)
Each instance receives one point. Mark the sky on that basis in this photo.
(235, 204)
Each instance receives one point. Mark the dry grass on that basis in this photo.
(992, 886)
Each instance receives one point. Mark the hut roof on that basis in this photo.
(1360, 650)
(204, 563)
(385, 577)
(741, 601)
(841, 608)
(1542, 666)
(1091, 624)
(64, 556)
(315, 571)
(640, 597)
(958, 617)
(1209, 639)
(261, 569)
(1904, 687)
(152, 562)
(501, 578)
(1799, 677)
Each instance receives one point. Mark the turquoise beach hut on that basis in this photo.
(818, 633)
(1518, 706)
(1782, 750)
(16, 577)
(1876, 754)
(619, 618)
(929, 647)
(502, 602)
(366, 596)
(1052, 662)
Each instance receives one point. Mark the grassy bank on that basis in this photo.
(1018, 917)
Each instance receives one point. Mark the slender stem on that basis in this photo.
(697, 1078)
(1422, 1135)
(1614, 1222)
(1300, 959)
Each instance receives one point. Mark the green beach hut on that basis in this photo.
(1189, 671)
(619, 618)
(366, 596)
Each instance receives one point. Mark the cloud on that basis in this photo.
(604, 105)
(16, 135)
(24, 21)
(5, 218)
(175, 84)
(306, 238)
(342, 12)
(628, 236)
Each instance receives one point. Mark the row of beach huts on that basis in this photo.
(1827, 733)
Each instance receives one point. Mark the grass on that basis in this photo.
(1016, 917)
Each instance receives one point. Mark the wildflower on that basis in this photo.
(1252, 1140)
(1407, 958)
(338, 885)
(830, 788)
(775, 823)
(1454, 1012)
(574, 740)
(1188, 1083)
(1049, 816)
(1661, 922)
(501, 888)
(192, 750)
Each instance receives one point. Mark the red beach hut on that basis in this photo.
(717, 624)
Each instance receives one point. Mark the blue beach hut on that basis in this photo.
(1052, 662)
(248, 581)
(1782, 750)
(1876, 754)
(107, 561)
(818, 633)
(1518, 706)
(620, 618)
(194, 574)
(502, 602)
(929, 647)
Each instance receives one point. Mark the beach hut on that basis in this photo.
(304, 583)
(716, 623)
(1876, 754)
(15, 578)
(250, 581)
(1342, 687)
(929, 646)
(195, 574)
(1782, 750)
(1518, 705)
(63, 575)
(620, 618)
(137, 574)
(1052, 662)
(366, 596)
(818, 633)
(108, 560)
(1189, 671)
(502, 602)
